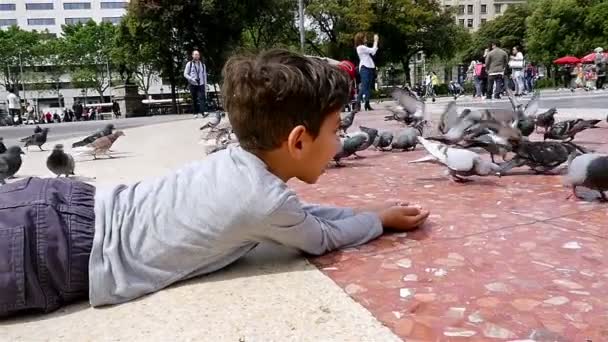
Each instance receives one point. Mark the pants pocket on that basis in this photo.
(12, 272)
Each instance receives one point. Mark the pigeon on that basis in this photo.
(566, 130)
(213, 122)
(541, 156)
(372, 134)
(492, 143)
(37, 129)
(546, 120)
(36, 139)
(525, 117)
(349, 146)
(460, 162)
(408, 110)
(2, 147)
(107, 130)
(223, 139)
(591, 171)
(347, 120)
(407, 139)
(383, 140)
(60, 163)
(449, 118)
(10, 163)
(100, 146)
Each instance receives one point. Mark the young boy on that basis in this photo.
(62, 240)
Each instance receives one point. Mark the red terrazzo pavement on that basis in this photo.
(499, 259)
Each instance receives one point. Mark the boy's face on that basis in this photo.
(312, 155)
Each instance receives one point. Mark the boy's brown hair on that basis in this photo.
(268, 95)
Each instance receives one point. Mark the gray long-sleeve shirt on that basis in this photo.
(196, 73)
(202, 218)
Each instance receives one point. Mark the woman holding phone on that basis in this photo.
(367, 67)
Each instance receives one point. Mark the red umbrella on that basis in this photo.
(590, 58)
(567, 60)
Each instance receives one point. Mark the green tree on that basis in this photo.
(88, 49)
(275, 26)
(17, 48)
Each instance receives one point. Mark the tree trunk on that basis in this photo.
(172, 81)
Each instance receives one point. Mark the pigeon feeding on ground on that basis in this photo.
(218, 140)
(566, 130)
(214, 120)
(100, 146)
(36, 139)
(460, 162)
(492, 143)
(347, 120)
(407, 138)
(541, 156)
(383, 140)
(2, 146)
(408, 110)
(372, 135)
(349, 146)
(60, 163)
(107, 130)
(546, 120)
(10, 163)
(457, 126)
(591, 171)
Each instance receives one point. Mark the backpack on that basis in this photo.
(478, 69)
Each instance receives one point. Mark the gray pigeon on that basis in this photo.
(214, 120)
(591, 171)
(456, 126)
(349, 146)
(347, 120)
(408, 110)
(460, 162)
(566, 130)
(2, 147)
(492, 143)
(107, 130)
(37, 139)
(60, 163)
(541, 156)
(407, 138)
(372, 134)
(10, 163)
(383, 140)
(449, 118)
(546, 119)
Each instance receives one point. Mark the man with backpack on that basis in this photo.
(496, 64)
(196, 74)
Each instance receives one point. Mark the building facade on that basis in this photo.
(474, 13)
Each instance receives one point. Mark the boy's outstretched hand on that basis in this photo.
(403, 217)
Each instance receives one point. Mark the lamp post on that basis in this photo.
(301, 14)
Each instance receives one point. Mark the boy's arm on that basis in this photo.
(291, 225)
(328, 212)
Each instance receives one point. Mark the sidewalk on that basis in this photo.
(272, 295)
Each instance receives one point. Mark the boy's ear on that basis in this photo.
(296, 140)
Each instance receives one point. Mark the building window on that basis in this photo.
(470, 23)
(113, 4)
(470, 9)
(498, 8)
(74, 21)
(484, 9)
(460, 9)
(113, 20)
(39, 6)
(483, 21)
(8, 7)
(41, 21)
(461, 22)
(77, 6)
(8, 22)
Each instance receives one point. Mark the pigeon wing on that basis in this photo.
(460, 160)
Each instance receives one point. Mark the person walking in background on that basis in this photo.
(600, 66)
(14, 106)
(367, 67)
(196, 74)
(496, 63)
(516, 63)
(530, 75)
(78, 110)
(477, 69)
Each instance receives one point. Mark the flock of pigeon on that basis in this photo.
(502, 133)
(58, 162)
